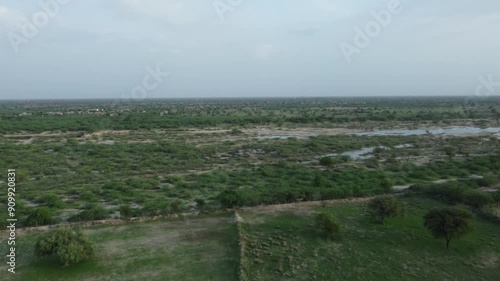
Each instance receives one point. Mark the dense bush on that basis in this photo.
(40, 216)
(158, 207)
(125, 211)
(230, 198)
(326, 161)
(69, 245)
(456, 192)
(53, 201)
(476, 199)
(326, 223)
(385, 206)
(91, 212)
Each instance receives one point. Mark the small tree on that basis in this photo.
(68, 244)
(448, 222)
(385, 206)
(326, 223)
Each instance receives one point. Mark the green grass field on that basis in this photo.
(195, 249)
(285, 245)
(280, 243)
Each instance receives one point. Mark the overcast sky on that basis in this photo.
(246, 48)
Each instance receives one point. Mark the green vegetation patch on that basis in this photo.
(204, 248)
(287, 246)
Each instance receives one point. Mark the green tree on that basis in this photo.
(385, 206)
(68, 244)
(448, 222)
(40, 216)
(327, 224)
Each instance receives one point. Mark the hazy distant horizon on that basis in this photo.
(245, 98)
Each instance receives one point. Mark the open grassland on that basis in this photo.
(283, 244)
(204, 248)
(279, 242)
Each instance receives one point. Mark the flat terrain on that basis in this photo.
(166, 156)
(204, 248)
(283, 244)
(273, 160)
(280, 243)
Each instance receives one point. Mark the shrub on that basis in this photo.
(175, 207)
(326, 161)
(53, 201)
(91, 212)
(40, 216)
(386, 185)
(449, 151)
(158, 207)
(68, 244)
(326, 223)
(476, 198)
(385, 206)
(230, 198)
(88, 196)
(125, 211)
(200, 204)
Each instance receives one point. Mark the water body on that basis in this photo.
(440, 131)
(280, 137)
(363, 153)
